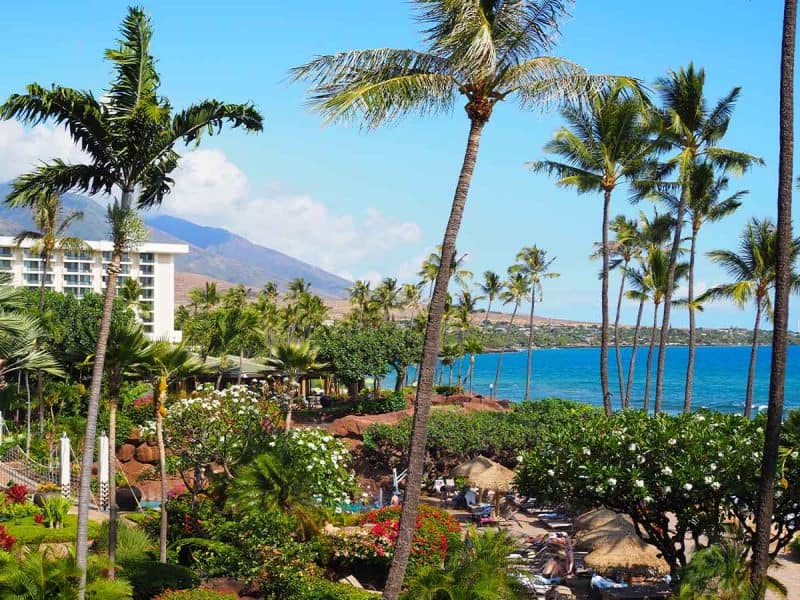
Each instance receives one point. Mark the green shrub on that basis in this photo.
(55, 510)
(369, 404)
(133, 543)
(16, 510)
(322, 589)
(150, 578)
(448, 390)
(29, 532)
(197, 594)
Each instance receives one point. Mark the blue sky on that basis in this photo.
(373, 204)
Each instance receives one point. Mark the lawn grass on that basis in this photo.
(29, 532)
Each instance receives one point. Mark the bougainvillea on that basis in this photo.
(6, 540)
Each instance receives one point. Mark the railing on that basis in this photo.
(19, 467)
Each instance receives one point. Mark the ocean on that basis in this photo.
(573, 373)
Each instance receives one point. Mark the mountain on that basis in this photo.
(214, 252)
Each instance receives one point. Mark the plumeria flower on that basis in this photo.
(715, 485)
(611, 481)
(551, 472)
(666, 471)
(672, 441)
(639, 483)
(687, 487)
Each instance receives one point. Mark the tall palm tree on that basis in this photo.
(129, 352)
(387, 297)
(359, 295)
(473, 347)
(295, 361)
(170, 363)
(766, 481)
(693, 131)
(491, 287)
(466, 307)
(532, 261)
(205, 297)
(516, 290)
(131, 293)
(486, 52)
(130, 140)
(458, 272)
(297, 287)
(410, 294)
(753, 270)
(51, 226)
(605, 143)
(625, 248)
(705, 205)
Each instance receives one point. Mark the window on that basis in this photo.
(36, 266)
(78, 279)
(34, 279)
(5, 265)
(6, 251)
(77, 267)
(147, 282)
(76, 291)
(78, 256)
(147, 294)
(146, 269)
(146, 257)
(125, 257)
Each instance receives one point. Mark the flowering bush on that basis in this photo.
(325, 461)
(700, 468)
(435, 532)
(17, 493)
(6, 540)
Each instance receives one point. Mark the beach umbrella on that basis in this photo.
(627, 552)
(497, 478)
(472, 467)
(612, 531)
(594, 519)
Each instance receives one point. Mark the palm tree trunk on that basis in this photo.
(241, 360)
(751, 370)
(604, 309)
(162, 467)
(673, 263)
(113, 514)
(39, 375)
(634, 348)
(430, 349)
(646, 405)
(87, 454)
(27, 415)
(529, 362)
(783, 276)
(471, 369)
(623, 399)
(687, 398)
(503, 349)
(289, 407)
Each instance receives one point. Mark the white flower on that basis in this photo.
(715, 485)
(672, 441)
(687, 487)
(551, 472)
(713, 466)
(519, 458)
(708, 479)
(587, 452)
(639, 483)
(640, 459)
(632, 447)
(795, 455)
(612, 482)
(666, 471)
(668, 489)
(700, 418)
(647, 499)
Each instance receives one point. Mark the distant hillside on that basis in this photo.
(214, 252)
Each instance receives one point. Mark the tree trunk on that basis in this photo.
(241, 360)
(87, 455)
(634, 348)
(471, 369)
(503, 349)
(529, 362)
(673, 263)
(162, 468)
(113, 513)
(783, 277)
(290, 406)
(687, 398)
(646, 405)
(39, 375)
(604, 309)
(27, 415)
(751, 369)
(488, 310)
(419, 431)
(401, 378)
(623, 399)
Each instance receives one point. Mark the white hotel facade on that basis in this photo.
(81, 272)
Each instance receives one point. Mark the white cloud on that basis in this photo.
(22, 149)
(211, 190)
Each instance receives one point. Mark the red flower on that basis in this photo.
(39, 518)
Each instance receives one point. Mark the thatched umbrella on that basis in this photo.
(611, 532)
(627, 552)
(594, 519)
(473, 467)
(497, 478)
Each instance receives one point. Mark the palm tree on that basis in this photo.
(359, 296)
(410, 294)
(625, 247)
(704, 205)
(532, 261)
(605, 143)
(431, 266)
(487, 53)
(206, 297)
(131, 293)
(130, 140)
(273, 482)
(129, 352)
(492, 286)
(297, 287)
(449, 353)
(386, 297)
(472, 346)
(466, 307)
(295, 361)
(783, 281)
(693, 131)
(753, 271)
(50, 235)
(516, 290)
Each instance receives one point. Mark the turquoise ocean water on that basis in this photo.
(719, 383)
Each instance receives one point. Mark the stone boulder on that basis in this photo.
(126, 452)
(147, 454)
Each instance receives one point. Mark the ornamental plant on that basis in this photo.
(675, 476)
(7, 540)
(16, 493)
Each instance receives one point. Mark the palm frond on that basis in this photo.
(58, 176)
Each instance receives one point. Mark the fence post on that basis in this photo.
(66, 466)
(2, 426)
(103, 471)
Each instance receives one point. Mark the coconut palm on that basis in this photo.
(410, 294)
(486, 52)
(450, 351)
(387, 298)
(205, 297)
(359, 297)
(491, 287)
(705, 204)
(170, 364)
(516, 290)
(458, 272)
(753, 270)
(297, 287)
(130, 140)
(463, 311)
(532, 262)
(605, 143)
(769, 463)
(622, 250)
(693, 131)
(129, 353)
(131, 293)
(295, 361)
(473, 347)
